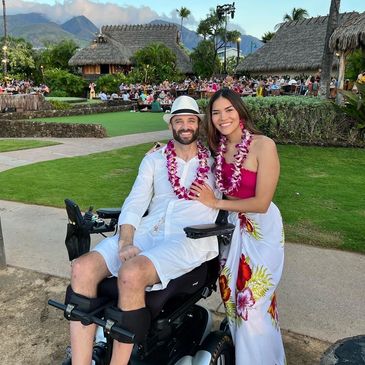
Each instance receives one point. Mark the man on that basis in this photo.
(103, 96)
(152, 250)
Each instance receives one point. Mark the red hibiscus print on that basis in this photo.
(244, 273)
(224, 288)
(245, 300)
(273, 309)
(246, 223)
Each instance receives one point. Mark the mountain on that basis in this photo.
(248, 44)
(81, 27)
(38, 29)
(189, 37)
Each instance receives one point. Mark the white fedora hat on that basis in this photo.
(183, 105)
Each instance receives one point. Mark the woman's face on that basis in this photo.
(225, 117)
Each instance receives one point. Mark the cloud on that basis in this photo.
(99, 14)
(103, 13)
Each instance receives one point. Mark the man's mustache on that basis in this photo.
(185, 130)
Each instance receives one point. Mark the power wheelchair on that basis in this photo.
(181, 330)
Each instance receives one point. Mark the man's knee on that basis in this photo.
(137, 273)
(87, 271)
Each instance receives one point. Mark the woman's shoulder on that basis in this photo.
(262, 144)
(260, 140)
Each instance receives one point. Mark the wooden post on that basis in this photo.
(2, 250)
(341, 70)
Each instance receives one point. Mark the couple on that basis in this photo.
(179, 188)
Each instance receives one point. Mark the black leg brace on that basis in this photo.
(136, 322)
(82, 303)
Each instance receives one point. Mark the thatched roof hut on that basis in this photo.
(297, 48)
(350, 35)
(115, 46)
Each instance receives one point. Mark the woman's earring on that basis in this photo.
(242, 124)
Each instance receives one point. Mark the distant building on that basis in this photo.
(230, 52)
(114, 47)
(296, 49)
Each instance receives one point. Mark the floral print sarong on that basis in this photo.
(251, 268)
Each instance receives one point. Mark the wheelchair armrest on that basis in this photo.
(208, 230)
(108, 213)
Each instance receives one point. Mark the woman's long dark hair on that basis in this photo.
(213, 135)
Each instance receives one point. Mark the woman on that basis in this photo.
(247, 172)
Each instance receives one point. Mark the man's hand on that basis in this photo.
(127, 252)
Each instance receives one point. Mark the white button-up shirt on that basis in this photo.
(167, 214)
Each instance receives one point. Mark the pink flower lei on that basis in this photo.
(202, 171)
(239, 158)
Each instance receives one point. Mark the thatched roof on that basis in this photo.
(297, 46)
(117, 44)
(107, 51)
(350, 35)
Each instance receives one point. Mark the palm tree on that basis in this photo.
(5, 41)
(296, 14)
(267, 36)
(183, 13)
(327, 59)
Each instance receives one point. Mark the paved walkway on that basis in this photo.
(322, 293)
(70, 147)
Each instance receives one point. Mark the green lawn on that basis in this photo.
(117, 123)
(320, 193)
(7, 145)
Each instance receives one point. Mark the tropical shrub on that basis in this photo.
(59, 105)
(63, 83)
(110, 83)
(299, 120)
(355, 63)
(355, 105)
(203, 103)
(155, 63)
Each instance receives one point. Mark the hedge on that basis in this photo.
(302, 120)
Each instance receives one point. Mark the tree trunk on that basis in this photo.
(327, 59)
(341, 70)
(181, 38)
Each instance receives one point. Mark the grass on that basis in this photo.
(320, 193)
(68, 99)
(7, 145)
(117, 123)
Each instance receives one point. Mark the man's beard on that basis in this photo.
(181, 140)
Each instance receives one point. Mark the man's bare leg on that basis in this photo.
(87, 272)
(133, 278)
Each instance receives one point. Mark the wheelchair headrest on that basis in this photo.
(74, 213)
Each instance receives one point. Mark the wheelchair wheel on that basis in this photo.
(217, 349)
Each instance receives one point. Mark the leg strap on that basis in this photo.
(136, 322)
(88, 306)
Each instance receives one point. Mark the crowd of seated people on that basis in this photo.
(14, 87)
(167, 91)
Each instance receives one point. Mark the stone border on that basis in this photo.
(74, 110)
(20, 129)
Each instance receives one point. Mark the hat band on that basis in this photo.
(186, 111)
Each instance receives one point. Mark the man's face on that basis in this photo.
(185, 128)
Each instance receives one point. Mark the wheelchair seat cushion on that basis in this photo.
(187, 284)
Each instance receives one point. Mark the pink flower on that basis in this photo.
(171, 164)
(239, 158)
(244, 300)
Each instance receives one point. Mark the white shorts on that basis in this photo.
(170, 259)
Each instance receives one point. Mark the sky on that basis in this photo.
(252, 17)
